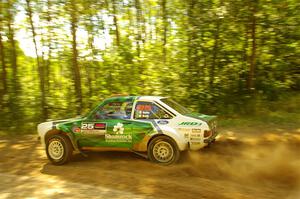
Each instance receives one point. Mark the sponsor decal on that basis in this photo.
(142, 107)
(190, 124)
(195, 139)
(195, 135)
(162, 122)
(186, 135)
(118, 138)
(93, 128)
(118, 129)
(196, 130)
(195, 143)
(185, 130)
(100, 126)
(87, 126)
(143, 115)
(76, 129)
(93, 132)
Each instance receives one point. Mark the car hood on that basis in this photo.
(203, 117)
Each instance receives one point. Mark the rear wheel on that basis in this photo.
(163, 150)
(59, 149)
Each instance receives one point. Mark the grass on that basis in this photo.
(284, 114)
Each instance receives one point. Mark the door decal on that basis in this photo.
(118, 138)
(118, 134)
(93, 128)
(118, 129)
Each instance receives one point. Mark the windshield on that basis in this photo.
(86, 112)
(177, 107)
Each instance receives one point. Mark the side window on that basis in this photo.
(149, 110)
(114, 110)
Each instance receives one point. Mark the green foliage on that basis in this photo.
(199, 52)
(283, 113)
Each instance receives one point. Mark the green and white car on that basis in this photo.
(157, 127)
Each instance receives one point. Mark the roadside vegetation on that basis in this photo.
(235, 59)
(278, 114)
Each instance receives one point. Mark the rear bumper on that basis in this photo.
(196, 146)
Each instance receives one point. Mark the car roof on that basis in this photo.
(130, 97)
(150, 98)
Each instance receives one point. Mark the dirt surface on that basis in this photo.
(240, 164)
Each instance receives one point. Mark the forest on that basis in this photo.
(61, 57)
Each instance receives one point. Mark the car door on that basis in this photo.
(149, 113)
(109, 126)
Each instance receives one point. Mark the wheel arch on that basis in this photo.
(162, 135)
(175, 136)
(176, 151)
(59, 132)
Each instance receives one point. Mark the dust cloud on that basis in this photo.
(270, 161)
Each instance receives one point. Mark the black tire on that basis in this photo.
(59, 149)
(166, 144)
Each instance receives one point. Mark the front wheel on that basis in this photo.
(163, 150)
(59, 149)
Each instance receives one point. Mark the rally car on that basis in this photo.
(157, 127)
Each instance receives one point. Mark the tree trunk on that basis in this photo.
(192, 55)
(251, 75)
(4, 72)
(116, 23)
(75, 66)
(242, 82)
(48, 61)
(90, 71)
(165, 29)
(15, 85)
(215, 54)
(11, 38)
(39, 64)
(137, 4)
(2, 57)
(139, 41)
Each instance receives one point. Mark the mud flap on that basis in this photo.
(83, 154)
(210, 143)
(75, 146)
(140, 154)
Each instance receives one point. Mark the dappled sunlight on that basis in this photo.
(3, 144)
(18, 146)
(234, 65)
(237, 164)
(45, 186)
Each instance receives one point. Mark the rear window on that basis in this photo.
(177, 107)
